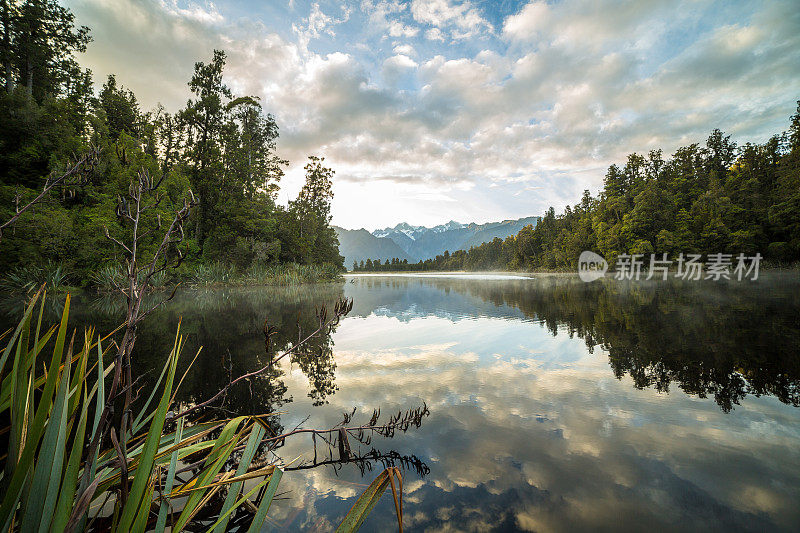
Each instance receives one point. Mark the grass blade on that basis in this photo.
(219, 454)
(233, 492)
(70, 483)
(143, 473)
(137, 422)
(367, 501)
(13, 338)
(41, 503)
(266, 501)
(173, 465)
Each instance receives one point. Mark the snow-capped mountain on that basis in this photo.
(416, 243)
(415, 232)
(423, 243)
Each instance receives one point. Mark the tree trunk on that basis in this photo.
(6, 43)
(29, 84)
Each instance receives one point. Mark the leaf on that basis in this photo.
(138, 422)
(247, 457)
(368, 499)
(39, 507)
(12, 340)
(81, 506)
(173, 465)
(13, 491)
(266, 501)
(219, 454)
(223, 519)
(78, 522)
(142, 478)
(70, 483)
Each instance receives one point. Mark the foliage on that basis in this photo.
(712, 199)
(27, 279)
(220, 145)
(291, 274)
(207, 275)
(54, 472)
(107, 278)
(212, 274)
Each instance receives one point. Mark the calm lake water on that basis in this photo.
(555, 405)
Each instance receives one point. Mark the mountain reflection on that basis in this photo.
(534, 424)
(720, 340)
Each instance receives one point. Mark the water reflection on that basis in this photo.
(555, 405)
(711, 339)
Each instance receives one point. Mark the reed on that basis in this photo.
(283, 274)
(26, 279)
(60, 475)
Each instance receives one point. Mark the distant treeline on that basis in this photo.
(220, 146)
(717, 198)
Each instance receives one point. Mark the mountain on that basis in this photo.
(415, 243)
(360, 245)
(425, 243)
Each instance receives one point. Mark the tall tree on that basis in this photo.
(313, 239)
(44, 41)
(8, 13)
(120, 107)
(204, 118)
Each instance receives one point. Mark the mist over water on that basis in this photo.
(555, 404)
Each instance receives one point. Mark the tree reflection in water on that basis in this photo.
(238, 331)
(724, 340)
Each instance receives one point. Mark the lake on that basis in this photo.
(555, 405)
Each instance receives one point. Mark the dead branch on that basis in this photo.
(341, 308)
(81, 167)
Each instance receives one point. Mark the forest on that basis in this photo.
(85, 149)
(705, 199)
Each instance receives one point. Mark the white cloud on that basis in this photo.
(571, 88)
(462, 19)
(434, 34)
(400, 61)
(207, 14)
(397, 29)
(317, 24)
(529, 22)
(405, 49)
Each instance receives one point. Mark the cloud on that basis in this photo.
(571, 455)
(396, 29)
(426, 94)
(400, 61)
(317, 24)
(528, 23)
(405, 49)
(204, 15)
(434, 34)
(462, 19)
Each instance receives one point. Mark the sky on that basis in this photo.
(474, 110)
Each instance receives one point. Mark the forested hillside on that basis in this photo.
(711, 198)
(359, 244)
(220, 146)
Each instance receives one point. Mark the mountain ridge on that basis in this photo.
(417, 243)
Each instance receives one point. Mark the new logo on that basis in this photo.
(591, 266)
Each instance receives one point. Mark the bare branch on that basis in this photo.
(342, 307)
(82, 167)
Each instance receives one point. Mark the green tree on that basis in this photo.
(120, 107)
(204, 122)
(43, 40)
(307, 219)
